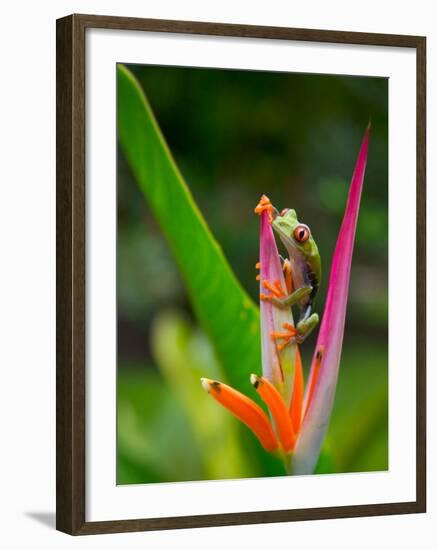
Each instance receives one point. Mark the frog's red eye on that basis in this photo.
(284, 211)
(301, 233)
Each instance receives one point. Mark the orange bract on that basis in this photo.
(245, 410)
(297, 396)
(273, 399)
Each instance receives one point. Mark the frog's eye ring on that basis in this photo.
(284, 211)
(301, 233)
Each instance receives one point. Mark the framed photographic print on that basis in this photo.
(240, 293)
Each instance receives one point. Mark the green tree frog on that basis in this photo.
(305, 267)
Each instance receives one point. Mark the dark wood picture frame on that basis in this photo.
(71, 283)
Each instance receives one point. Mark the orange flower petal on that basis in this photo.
(273, 399)
(245, 410)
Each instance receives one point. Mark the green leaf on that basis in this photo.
(146, 426)
(223, 308)
(183, 354)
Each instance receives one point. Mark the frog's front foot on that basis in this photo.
(276, 292)
(297, 334)
(265, 205)
(288, 336)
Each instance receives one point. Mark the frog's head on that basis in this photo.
(296, 236)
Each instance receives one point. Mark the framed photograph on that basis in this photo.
(240, 293)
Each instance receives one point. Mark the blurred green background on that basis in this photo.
(236, 135)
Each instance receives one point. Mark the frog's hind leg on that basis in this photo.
(305, 326)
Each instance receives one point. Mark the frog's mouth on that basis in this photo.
(282, 229)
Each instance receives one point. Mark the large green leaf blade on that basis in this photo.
(222, 307)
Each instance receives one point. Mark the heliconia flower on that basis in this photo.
(298, 424)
